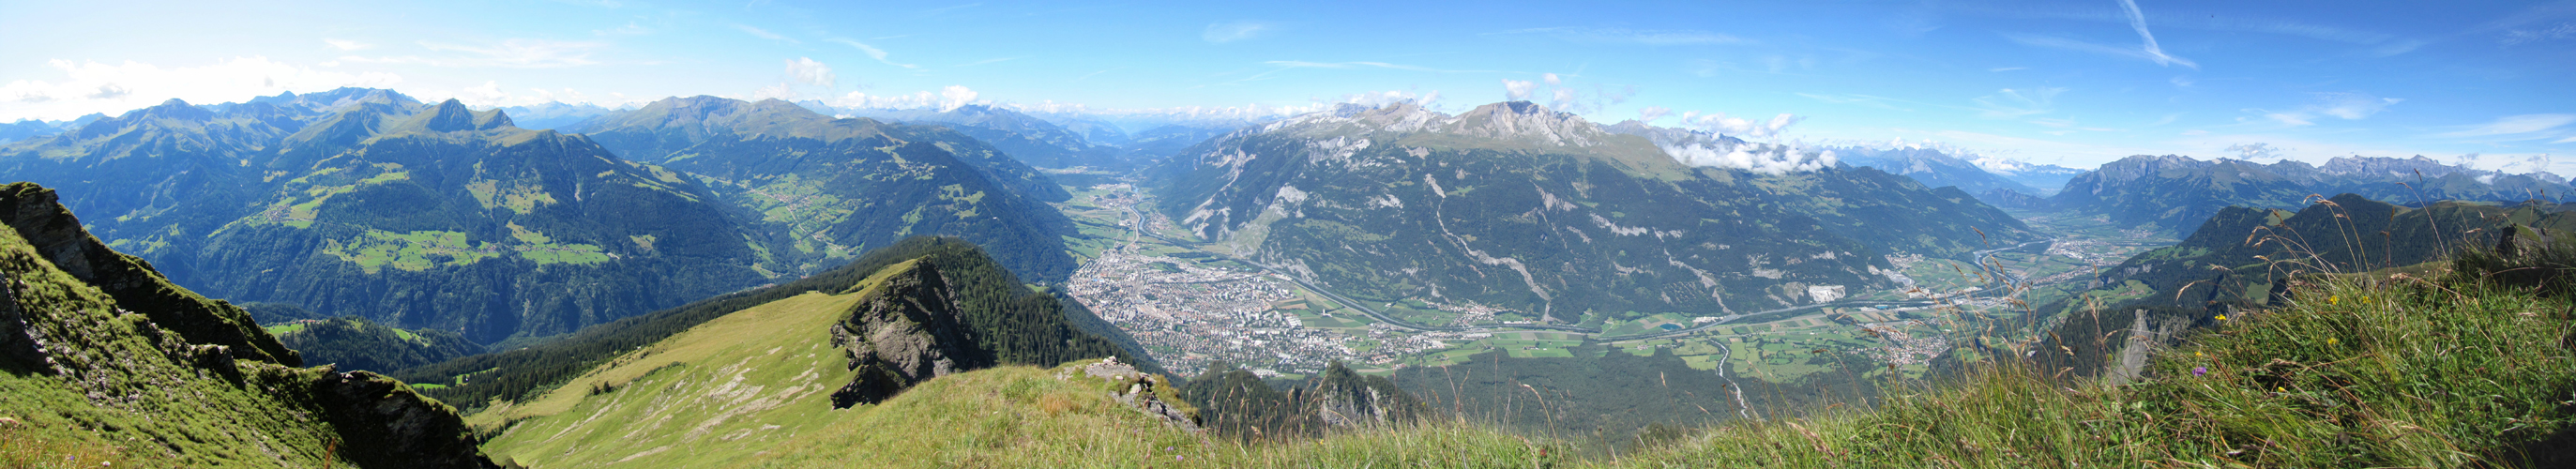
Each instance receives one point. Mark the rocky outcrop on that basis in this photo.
(904, 330)
(1344, 399)
(383, 423)
(39, 217)
(1142, 391)
(20, 345)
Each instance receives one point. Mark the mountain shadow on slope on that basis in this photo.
(355, 343)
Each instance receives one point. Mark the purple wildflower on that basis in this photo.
(2199, 371)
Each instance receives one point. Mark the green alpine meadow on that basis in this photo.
(998, 234)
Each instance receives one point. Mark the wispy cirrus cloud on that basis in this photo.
(1220, 33)
(1630, 36)
(872, 51)
(2012, 104)
(2138, 21)
(2054, 42)
(2516, 127)
(2347, 106)
(765, 34)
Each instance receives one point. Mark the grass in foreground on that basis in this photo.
(2362, 371)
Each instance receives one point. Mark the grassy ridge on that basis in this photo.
(2363, 371)
(519, 374)
(1018, 325)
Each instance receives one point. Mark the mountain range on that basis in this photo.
(1516, 206)
(1937, 168)
(2177, 193)
(421, 215)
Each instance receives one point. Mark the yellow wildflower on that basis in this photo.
(2330, 341)
(2222, 317)
(2331, 299)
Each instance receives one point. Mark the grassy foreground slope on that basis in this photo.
(2430, 369)
(105, 363)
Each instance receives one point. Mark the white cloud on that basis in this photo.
(1220, 33)
(2348, 106)
(872, 51)
(2354, 106)
(488, 94)
(2010, 103)
(2516, 125)
(1757, 157)
(2254, 151)
(2565, 140)
(953, 96)
(1652, 113)
(806, 70)
(1551, 79)
(918, 99)
(1382, 98)
(781, 91)
(344, 44)
(1518, 90)
(1634, 37)
(88, 87)
(1719, 123)
(514, 53)
(1564, 99)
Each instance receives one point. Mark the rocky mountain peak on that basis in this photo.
(1528, 122)
(173, 109)
(452, 116)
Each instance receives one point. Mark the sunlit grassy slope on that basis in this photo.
(706, 396)
(2413, 367)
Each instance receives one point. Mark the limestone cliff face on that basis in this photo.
(905, 330)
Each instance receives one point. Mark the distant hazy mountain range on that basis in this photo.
(2178, 193)
(1979, 176)
(1059, 140)
(1517, 206)
(419, 215)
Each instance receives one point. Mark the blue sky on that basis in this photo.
(2074, 83)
